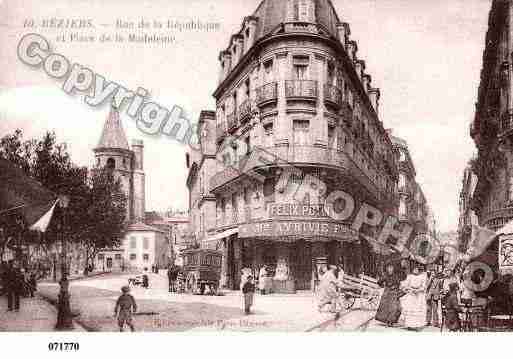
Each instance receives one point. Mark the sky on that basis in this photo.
(425, 56)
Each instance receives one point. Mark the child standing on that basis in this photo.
(248, 290)
(126, 306)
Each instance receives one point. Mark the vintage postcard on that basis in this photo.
(318, 166)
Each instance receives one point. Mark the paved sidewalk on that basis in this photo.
(35, 315)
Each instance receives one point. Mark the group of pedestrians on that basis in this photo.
(414, 300)
(16, 282)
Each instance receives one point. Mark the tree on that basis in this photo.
(95, 217)
(106, 214)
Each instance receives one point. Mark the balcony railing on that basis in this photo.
(245, 111)
(333, 95)
(301, 26)
(267, 93)
(299, 154)
(506, 123)
(231, 120)
(220, 131)
(301, 89)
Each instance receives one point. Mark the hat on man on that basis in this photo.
(125, 289)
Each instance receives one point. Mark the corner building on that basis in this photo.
(291, 90)
(492, 128)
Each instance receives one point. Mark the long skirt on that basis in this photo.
(248, 301)
(389, 309)
(414, 309)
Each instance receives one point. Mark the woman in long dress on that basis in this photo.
(389, 307)
(413, 303)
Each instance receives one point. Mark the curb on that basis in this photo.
(76, 322)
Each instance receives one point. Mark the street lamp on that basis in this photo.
(64, 321)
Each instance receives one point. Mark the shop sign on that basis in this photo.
(280, 210)
(300, 228)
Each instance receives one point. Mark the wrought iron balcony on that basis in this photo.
(231, 120)
(267, 93)
(301, 89)
(245, 111)
(333, 95)
(301, 26)
(506, 124)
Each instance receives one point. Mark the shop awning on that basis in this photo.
(221, 235)
(21, 193)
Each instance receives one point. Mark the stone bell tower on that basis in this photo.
(114, 153)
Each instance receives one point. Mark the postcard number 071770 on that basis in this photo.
(63, 347)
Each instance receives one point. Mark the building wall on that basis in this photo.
(493, 122)
(154, 250)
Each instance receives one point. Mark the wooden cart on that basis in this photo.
(363, 287)
(202, 269)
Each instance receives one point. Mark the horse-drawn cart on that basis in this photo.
(202, 269)
(364, 288)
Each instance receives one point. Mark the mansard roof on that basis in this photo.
(271, 13)
(113, 136)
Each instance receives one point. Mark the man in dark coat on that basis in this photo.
(14, 287)
(172, 274)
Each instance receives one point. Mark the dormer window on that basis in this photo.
(301, 10)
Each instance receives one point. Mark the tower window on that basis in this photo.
(111, 163)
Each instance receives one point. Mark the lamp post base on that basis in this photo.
(64, 319)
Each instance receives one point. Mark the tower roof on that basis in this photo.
(271, 13)
(113, 135)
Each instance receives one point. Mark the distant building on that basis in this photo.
(413, 206)
(177, 229)
(467, 216)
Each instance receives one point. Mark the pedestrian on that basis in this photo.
(14, 287)
(32, 283)
(248, 290)
(145, 280)
(172, 275)
(452, 308)
(413, 303)
(125, 308)
(328, 294)
(433, 295)
(389, 309)
(262, 279)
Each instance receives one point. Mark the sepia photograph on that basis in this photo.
(255, 166)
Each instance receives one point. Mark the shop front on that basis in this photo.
(292, 251)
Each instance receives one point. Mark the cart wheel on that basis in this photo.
(373, 302)
(347, 301)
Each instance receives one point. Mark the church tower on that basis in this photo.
(114, 153)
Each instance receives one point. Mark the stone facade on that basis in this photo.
(413, 206)
(492, 126)
(293, 91)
